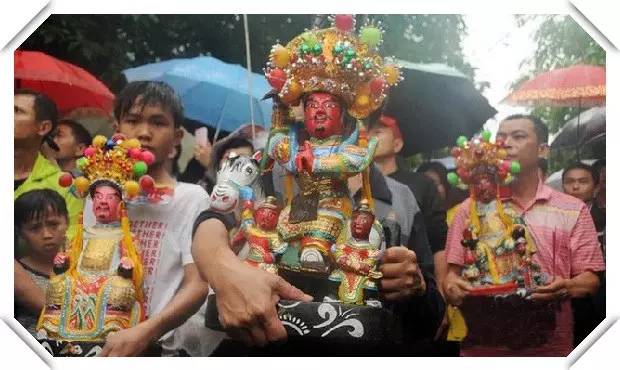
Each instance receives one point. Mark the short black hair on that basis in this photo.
(81, 135)
(44, 110)
(44, 107)
(582, 166)
(439, 169)
(37, 204)
(235, 142)
(151, 93)
(542, 131)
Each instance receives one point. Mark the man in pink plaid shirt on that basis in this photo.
(561, 227)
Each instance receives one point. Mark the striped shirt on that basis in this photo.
(567, 245)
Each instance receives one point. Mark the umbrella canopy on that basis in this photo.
(213, 92)
(434, 105)
(588, 128)
(68, 85)
(575, 86)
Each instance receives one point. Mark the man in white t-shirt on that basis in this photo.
(151, 112)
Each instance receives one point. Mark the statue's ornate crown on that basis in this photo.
(337, 61)
(117, 161)
(479, 155)
(364, 206)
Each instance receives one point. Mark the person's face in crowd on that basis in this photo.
(388, 144)
(46, 234)
(267, 218)
(361, 223)
(441, 190)
(580, 184)
(67, 145)
(521, 143)
(26, 126)
(323, 115)
(154, 126)
(106, 201)
(242, 151)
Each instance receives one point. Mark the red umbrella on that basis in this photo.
(575, 86)
(68, 85)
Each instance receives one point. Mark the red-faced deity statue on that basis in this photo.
(267, 218)
(485, 187)
(323, 115)
(106, 200)
(361, 224)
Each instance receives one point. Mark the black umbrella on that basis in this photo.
(587, 128)
(434, 105)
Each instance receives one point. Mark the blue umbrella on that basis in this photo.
(213, 92)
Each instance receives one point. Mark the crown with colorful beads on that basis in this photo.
(117, 161)
(479, 155)
(337, 61)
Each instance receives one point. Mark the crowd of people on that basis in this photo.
(186, 249)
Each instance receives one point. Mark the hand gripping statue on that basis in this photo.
(96, 288)
(334, 74)
(498, 251)
(357, 260)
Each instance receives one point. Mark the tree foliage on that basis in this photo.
(107, 44)
(560, 42)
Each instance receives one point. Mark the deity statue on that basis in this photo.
(498, 247)
(337, 78)
(357, 260)
(259, 228)
(96, 288)
(334, 74)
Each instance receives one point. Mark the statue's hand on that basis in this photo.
(304, 158)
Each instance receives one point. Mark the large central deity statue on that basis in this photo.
(322, 243)
(335, 75)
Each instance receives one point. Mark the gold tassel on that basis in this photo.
(132, 253)
(492, 264)
(475, 222)
(76, 247)
(366, 191)
(473, 216)
(506, 220)
(347, 208)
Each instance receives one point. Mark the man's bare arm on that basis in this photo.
(27, 292)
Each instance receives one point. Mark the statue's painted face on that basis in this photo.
(106, 200)
(485, 187)
(267, 218)
(361, 223)
(323, 115)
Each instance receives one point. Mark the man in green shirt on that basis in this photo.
(35, 119)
